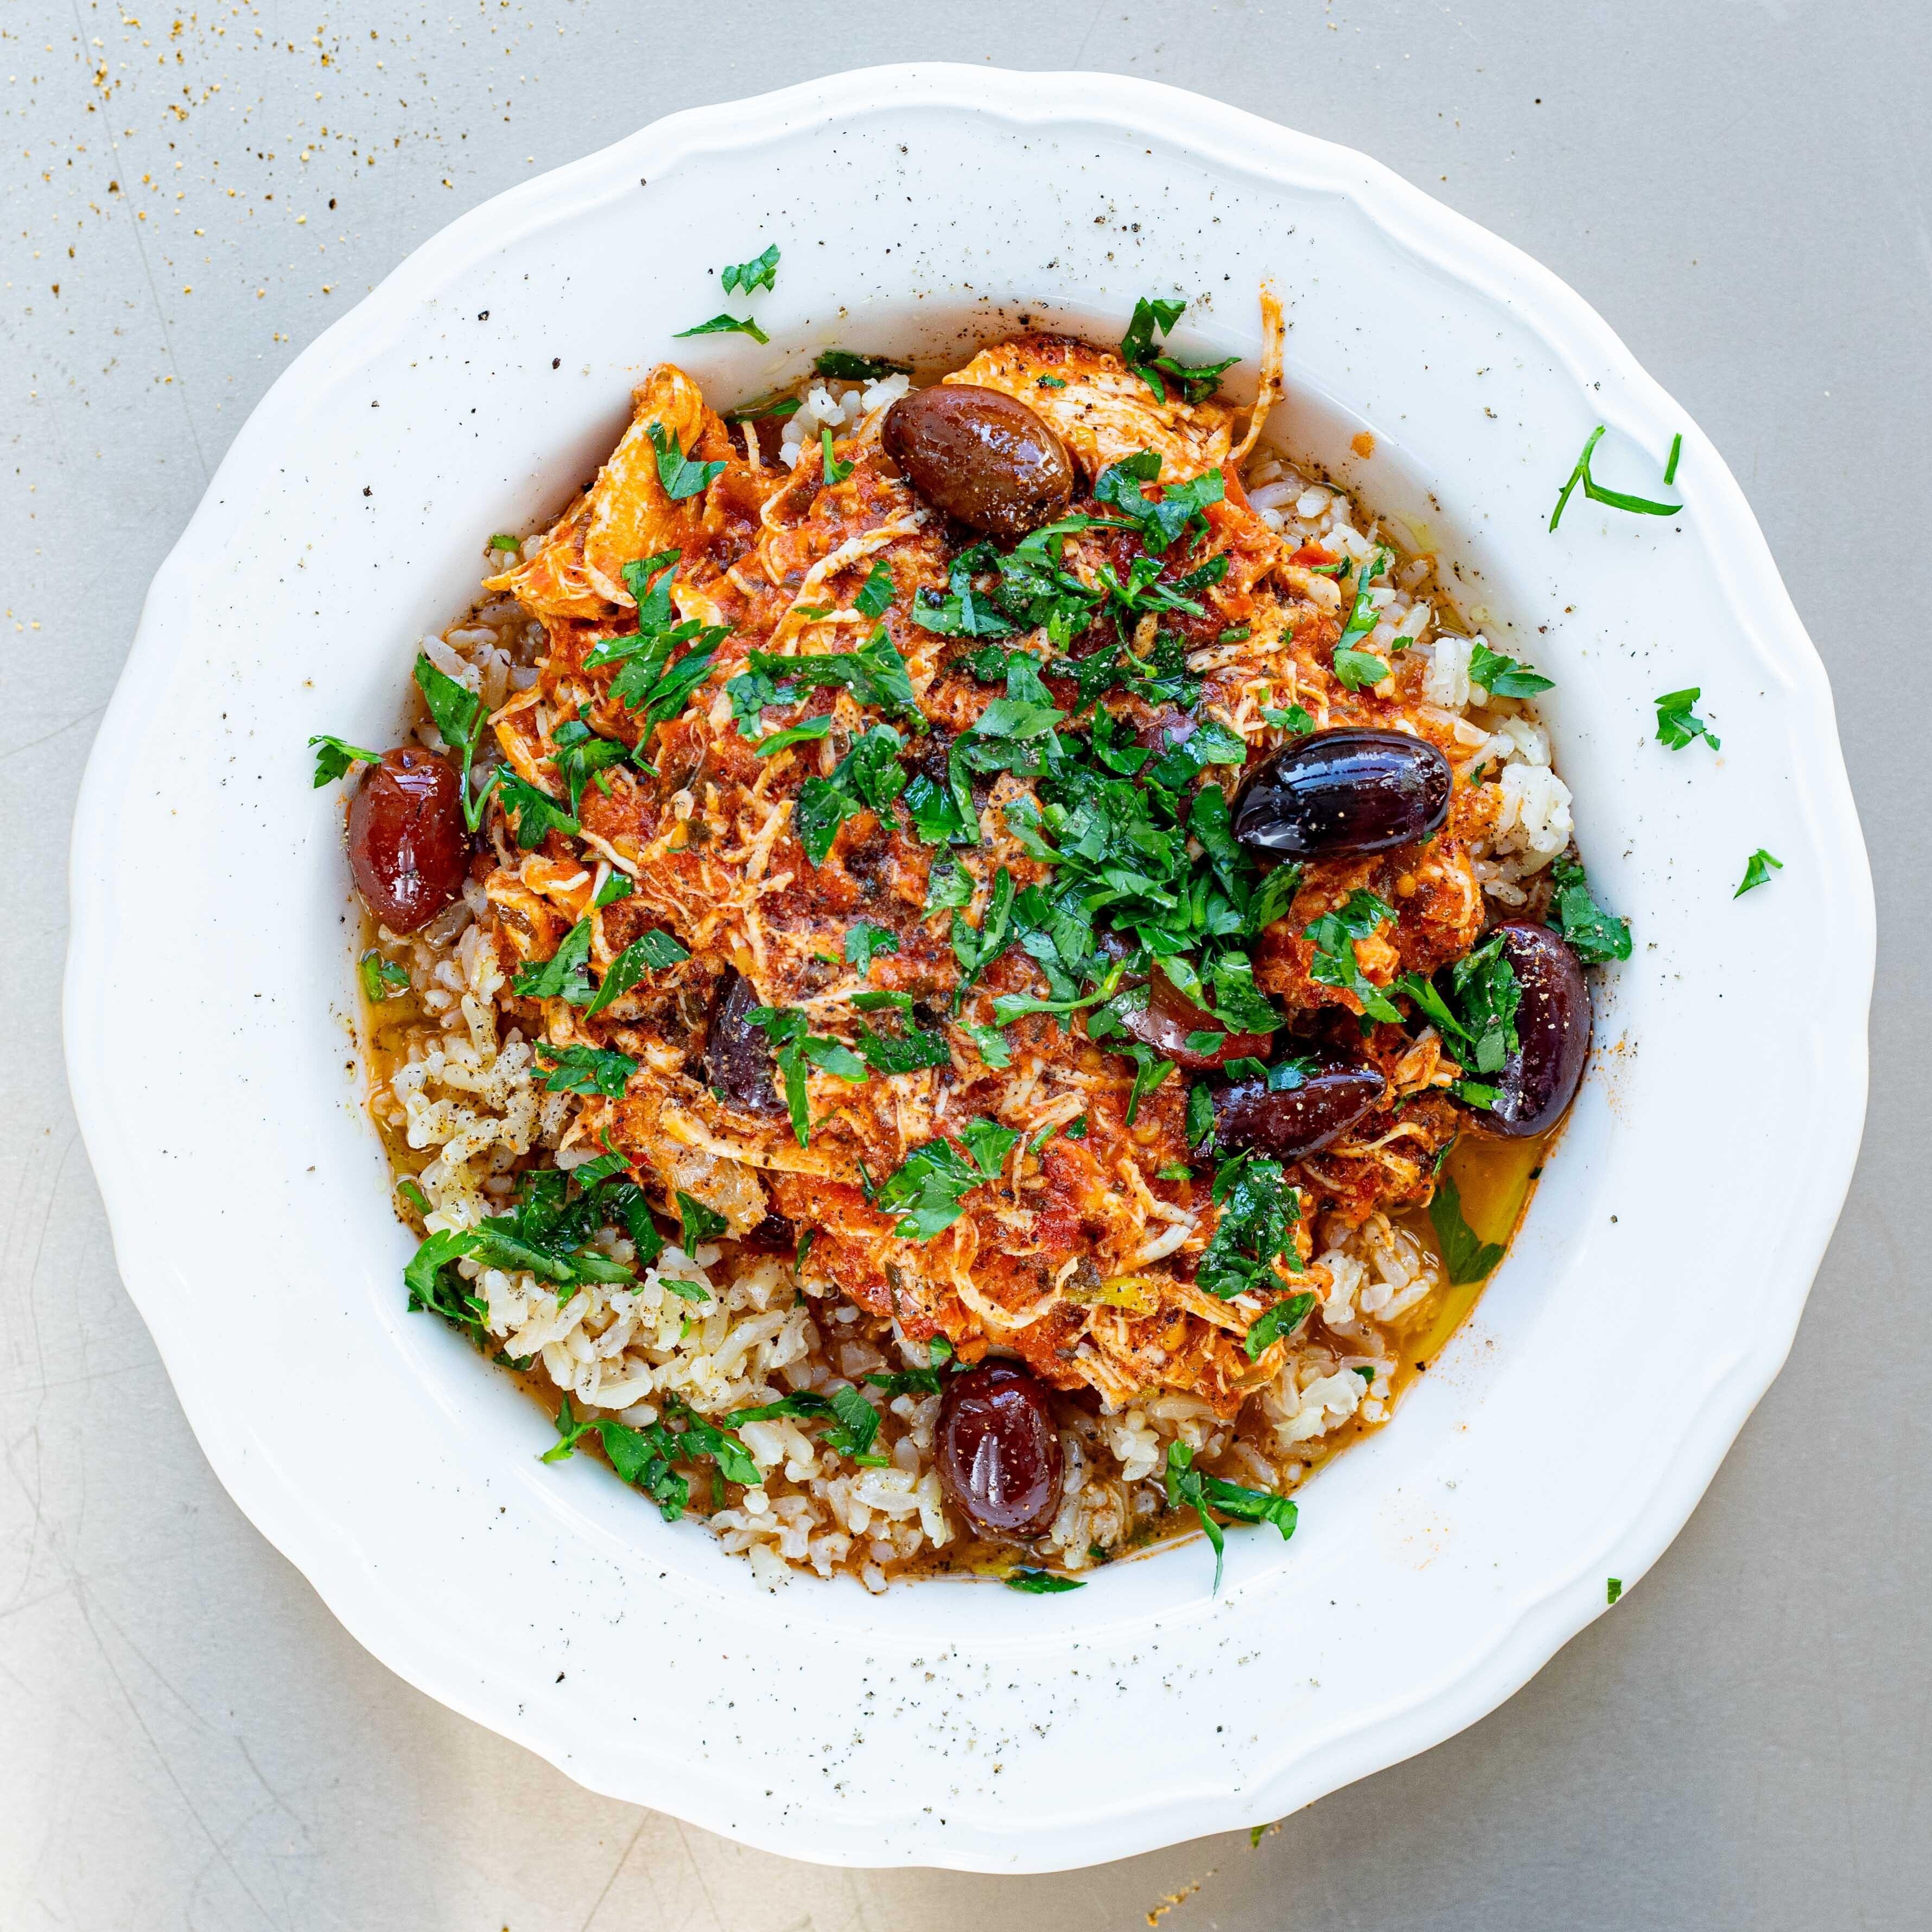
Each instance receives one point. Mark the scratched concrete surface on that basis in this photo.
(186, 1737)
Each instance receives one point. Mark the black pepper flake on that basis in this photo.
(482, 315)
(556, 362)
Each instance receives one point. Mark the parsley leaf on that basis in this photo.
(1503, 677)
(1678, 725)
(1259, 1212)
(680, 476)
(1039, 1583)
(383, 979)
(1296, 719)
(1758, 869)
(725, 324)
(842, 366)
(1616, 499)
(807, 730)
(868, 776)
(1188, 1486)
(1334, 935)
(976, 950)
(699, 1222)
(1137, 351)
(584, 1069)
(579, 756)
(334, 756)
(835, 471)
(856, 1429)
(794, 1046)
(1481, 1023)
(1353, 668)
(563, 975)
(534, 814)
(864, 941)
(761, 272)
(1159, 523)
(928, 1191)
(656, 949)
(875, 596)
(1273, 1323)
(875, 674)
(1465, 1257)
(1594, 934)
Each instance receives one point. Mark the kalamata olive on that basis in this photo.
(1347, 791)
(1552, 1029)
(1168, 1017)
(981, 457)
(407, 846)
(775, 1235)
(1286, 1124)
(999, 1454)
(737, 1056)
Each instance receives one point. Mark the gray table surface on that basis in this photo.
(186, 1739)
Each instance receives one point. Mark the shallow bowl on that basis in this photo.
(1561, 1440)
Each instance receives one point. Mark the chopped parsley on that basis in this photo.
(1678, 725)
(1613, 1586)
(1615, 499)
(842, 366)
(580, 756)
(564, 975)
(680, 474)
(1259, 1212)
(1502, 676)
(1273, 1323)
(1479, 1013)
(1594, 935)
(1197, 382)
(1160, 524)
(1333, 936)
(697, 1222)
(534, 814)
(875, 674)
(584, 1069)
(763, 406)
(807, 730)
(1039, 1583)
(1189, 1487)
(1466, 1258)
(618, 885)
(1758, 869)
(458, 713)
(864, 941)
(1355, 667)
(651, 951)
(793, 1046)
(383, 979)
(869, 777)
(644, 1457)
(724, 325)
(928, 1192)
(1296, 719)
(834, 471)
(875, 595)
(334, 757)
(648, 679)
(975, 948)
(761, 272)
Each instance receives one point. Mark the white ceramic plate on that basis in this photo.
(1564, 1437)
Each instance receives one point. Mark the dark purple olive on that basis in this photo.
(999, 1454)
(407, 845)
(774, 1235)
(737, 1056)
(1168, 1017)
(1297, 1120)
(985, 459)
(1336, 793)
(1552, 1028)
